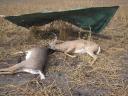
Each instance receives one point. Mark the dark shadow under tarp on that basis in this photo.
(97, 18)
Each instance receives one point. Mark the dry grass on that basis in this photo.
(67, 76)
(108, 76)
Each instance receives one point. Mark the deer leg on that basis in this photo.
(6, 69)
(10, 70)
(68, 51)
(20, 52)
(5, 73)
(35, 72)
(94, 60)
(72, 56)
(41, 75)
(93, 56)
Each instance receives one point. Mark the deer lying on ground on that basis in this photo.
(36, 58)
(79, 46)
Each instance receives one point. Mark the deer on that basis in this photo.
(35, 61)
(79, 46)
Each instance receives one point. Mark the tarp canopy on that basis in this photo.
(97, 17)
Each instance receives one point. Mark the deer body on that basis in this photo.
(34, 63)
(78, 46)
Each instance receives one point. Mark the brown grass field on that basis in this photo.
(66, 76)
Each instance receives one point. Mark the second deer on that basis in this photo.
(79, 46)
(36, 58)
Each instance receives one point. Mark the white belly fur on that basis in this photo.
(82, 51)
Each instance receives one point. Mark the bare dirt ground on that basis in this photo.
(66, 76)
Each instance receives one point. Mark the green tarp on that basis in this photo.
(97, 17)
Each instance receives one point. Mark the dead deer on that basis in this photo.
(36, 59)
(79, 46)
